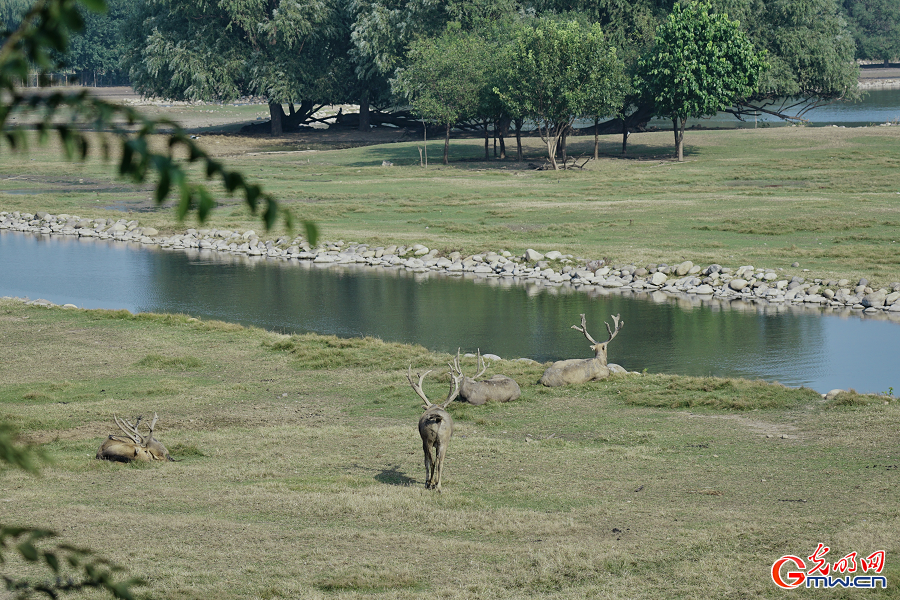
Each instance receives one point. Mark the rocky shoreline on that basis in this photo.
(735, 287)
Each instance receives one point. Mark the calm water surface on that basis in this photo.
(795, 346)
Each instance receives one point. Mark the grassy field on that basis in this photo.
(300, 474)
(825, 197)
(299, 470)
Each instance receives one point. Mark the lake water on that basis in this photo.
(877, 106)
(793, 345)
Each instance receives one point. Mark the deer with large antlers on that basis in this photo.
(133, 445)
(581, 370)
(499, 388)
(436, 428)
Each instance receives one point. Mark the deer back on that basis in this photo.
(436, 425)
(498, 388)
(574, 371)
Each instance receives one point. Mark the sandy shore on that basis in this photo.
(879, 76)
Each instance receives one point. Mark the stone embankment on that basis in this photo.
(768, 286)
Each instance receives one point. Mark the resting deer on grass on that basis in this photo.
(498, 388)
(135, 446)
(436, 428)
(581, 370)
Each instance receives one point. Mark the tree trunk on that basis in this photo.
(364, 111)
(519, 154)
(596, 138)
(502, 132)
(276, 115)
(487, 152)
(552, 136)
(678, 127)
(447, 146)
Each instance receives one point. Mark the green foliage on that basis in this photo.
(44, 33)
(701, 63)
(444, 78)
(876, 28)
(810, 51)
(73, 569)
(97, 50)
(557, 72)
(285, 51)
(16, 455)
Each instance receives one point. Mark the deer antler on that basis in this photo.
(456, 371)
(418, 386)
(618, 325)
(482, 364)
(151, 427)
(453, 392)
(583, 329)
(129, 429)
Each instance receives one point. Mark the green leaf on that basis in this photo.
(28, 551)
(52, 561)
(163, 186)
(271, 213)
(206, 204)
(312, 232)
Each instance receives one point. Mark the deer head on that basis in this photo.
(600, 348)
(435, 428)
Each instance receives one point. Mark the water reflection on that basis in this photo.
(511, 318)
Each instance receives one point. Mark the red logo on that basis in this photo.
(823, 574)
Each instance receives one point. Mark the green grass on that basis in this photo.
(300, 473)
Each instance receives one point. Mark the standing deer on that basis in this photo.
(136, 446)
(498, 388)
(581, 370)
(435, 427)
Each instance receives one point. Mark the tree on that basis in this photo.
(97, 50)
(559, 72)
(284, 50)
(809, 51)
(381, 32)
(701, 63)
(443, 78)
(876, 27)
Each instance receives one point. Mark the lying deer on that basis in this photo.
(135, 446)
(498, 388)
(435, 427)
(581, 370)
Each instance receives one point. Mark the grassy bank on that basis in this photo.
(299, 470)
(824, 197)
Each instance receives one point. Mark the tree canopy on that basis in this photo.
(444, 79)
(875, 25)
(558, 72)
(701, 63)
(286, 51)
